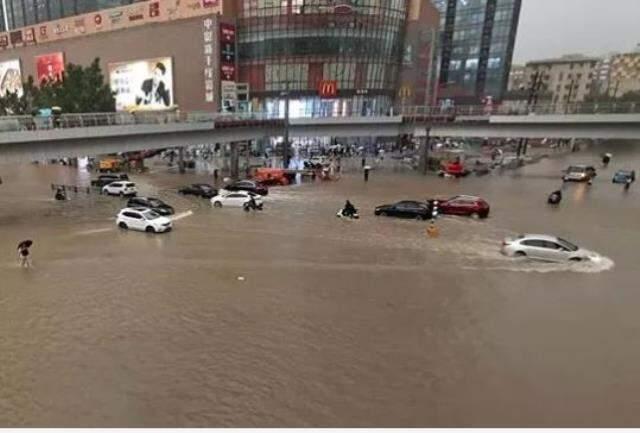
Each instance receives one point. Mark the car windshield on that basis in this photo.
(155, 202)
(205, 187)
(568, 245)
(150, 215)
(129, 185)
(576, 169)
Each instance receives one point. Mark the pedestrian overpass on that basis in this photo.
(25, 138)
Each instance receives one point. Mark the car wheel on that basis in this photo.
(520, 254)
(121, 194)
(421, 217)
(383, 213)
(150, 229)
(217, 204)
(123, 225)
(475, 215)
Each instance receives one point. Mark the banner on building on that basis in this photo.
(229, 96)
(50, 67)
(227, 52)
(10, 77)
(142, 84)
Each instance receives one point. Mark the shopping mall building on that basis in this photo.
(325, 56)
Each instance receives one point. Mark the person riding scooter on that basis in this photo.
(555, 197)
(60, 194)
(349, 209)
(252, 205)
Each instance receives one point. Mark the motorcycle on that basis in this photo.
(353, 216)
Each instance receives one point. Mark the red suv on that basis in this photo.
(465, 205)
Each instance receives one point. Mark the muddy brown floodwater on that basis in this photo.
(335, 323)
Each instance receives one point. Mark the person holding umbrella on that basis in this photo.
(24, 254)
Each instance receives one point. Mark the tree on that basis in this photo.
(81, 90)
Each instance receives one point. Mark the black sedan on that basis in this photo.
(249, 186)
(199, 190)
(154, 204)
(405, 209)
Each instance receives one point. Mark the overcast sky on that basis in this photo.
(551, 28)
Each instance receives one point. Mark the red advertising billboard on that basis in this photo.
(50, 67)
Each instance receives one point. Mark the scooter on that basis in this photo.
(353, 216)
(248, 206)
(60, 195)
(555, 197)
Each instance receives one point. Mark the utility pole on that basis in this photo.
(285, 148)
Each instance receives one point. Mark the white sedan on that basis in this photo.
(120, 188)
(545, 247)
(235, 199)
(143, 219)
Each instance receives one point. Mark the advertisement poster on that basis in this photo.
(142, 84)
(10, 77)
(50, 67)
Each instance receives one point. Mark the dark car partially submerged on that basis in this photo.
(624, 176)
(106, 179)
(405, 209)
(203, 190)
(152, 203)
(249, 186)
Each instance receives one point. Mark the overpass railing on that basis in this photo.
(84, 120)
(434, 113)
(524, 110)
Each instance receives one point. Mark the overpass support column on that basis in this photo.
(235, 160)
(181, 167)
(424, 151)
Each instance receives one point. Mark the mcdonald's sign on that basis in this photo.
(328, 88)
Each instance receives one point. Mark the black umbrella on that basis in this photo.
(25, 244)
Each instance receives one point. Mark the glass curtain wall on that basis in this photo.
(295, 44)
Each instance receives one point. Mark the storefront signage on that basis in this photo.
(207, 44)
(229, 96)
(30, 36)
(15, 37)
(328, 88)
(116, 18)
(154, 10)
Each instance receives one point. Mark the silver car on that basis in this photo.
(545, 247)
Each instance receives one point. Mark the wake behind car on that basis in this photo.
(120, 188)
(463, 205)
(404, 209)
(143, 219)
(235, 199)
(106, 179)
(545, 247)
(579, 173)
(152, 203)
(624, 176)
(249, 186)
(199, 190)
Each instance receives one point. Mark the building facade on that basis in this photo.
(336, 56)
(517, 79)
(477, 41)
(568, 79)
(624, 74)
(324, 56)
(20, 13)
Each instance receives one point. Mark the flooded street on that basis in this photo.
(334, 323)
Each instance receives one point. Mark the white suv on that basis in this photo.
(120, 188)
(144, 220)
